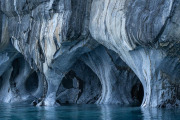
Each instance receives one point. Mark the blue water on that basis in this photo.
(85, 112)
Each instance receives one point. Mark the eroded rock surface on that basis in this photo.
(144, 34)
(103, 47)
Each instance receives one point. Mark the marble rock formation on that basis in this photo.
(101, 77)
(146, 36)
(50, 35)
(90, 51)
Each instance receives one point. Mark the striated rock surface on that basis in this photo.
(51, 35)
(90, 51)
(80, 85)
(145, 35)
(116, 78)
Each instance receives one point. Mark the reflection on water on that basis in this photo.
(85, 112)
(161, 114)
(105, 112)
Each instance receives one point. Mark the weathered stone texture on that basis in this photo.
(116, 41)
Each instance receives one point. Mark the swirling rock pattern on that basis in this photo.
(137, 30)
(115, 41)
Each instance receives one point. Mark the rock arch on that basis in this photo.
(80, 85)
(146, 40)
(116, 77)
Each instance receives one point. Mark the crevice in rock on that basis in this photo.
(16, 68)
(137, 93)
(31, 83)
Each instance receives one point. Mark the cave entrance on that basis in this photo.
(31, 83)
(1, 82)
(79, 86)
(128, 85)
(137, 93)
(16, 68)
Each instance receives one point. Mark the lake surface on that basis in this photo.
(85, 112)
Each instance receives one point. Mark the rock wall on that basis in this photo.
(144, 34)
(112, 40)
(116, 78)
(80, 86)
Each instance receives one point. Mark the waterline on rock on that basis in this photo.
(85, 112)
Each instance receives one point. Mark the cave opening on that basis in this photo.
(137, 93)
(79, 86)
(1, 82)
(16, 68)
(128, 82)
(67, 81)
(31, 84)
